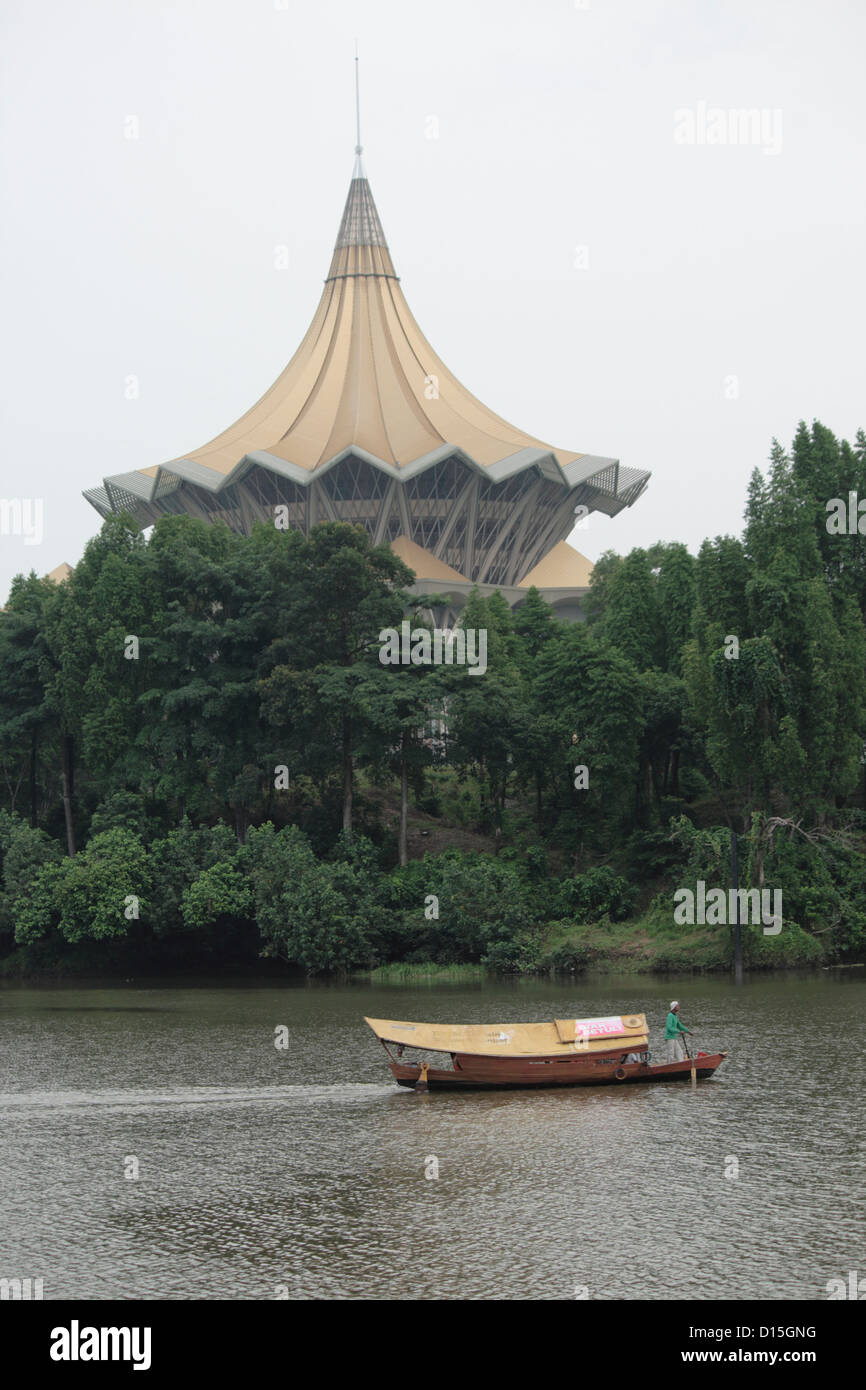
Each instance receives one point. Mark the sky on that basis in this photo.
(591, 240)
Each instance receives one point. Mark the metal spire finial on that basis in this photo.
(359, 149)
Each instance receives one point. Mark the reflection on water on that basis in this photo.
(304, 1169)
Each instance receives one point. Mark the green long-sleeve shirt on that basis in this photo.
(673, 1026)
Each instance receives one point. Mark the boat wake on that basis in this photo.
(344, 1093)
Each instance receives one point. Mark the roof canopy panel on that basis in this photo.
(562, 567)
(365, 376)
(365, 381)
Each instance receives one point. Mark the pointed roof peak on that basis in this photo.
(360, 225)
(364, 407)
(360, 248)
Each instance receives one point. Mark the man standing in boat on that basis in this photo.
(673, 1034)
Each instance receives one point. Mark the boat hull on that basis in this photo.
(499, 1073)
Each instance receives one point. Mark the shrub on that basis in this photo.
(175, 863)
(23, 853)
(219, 891)
(310, 913)
(518, 956)
(567, 959)
(597, 893)
(88, 896)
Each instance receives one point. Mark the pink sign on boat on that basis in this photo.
(598, 1027)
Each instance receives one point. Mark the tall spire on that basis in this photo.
(359, 148)
(360, 248)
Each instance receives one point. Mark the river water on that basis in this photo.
(266, 1173)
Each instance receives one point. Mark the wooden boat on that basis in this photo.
(565, 1052)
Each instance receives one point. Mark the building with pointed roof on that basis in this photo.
(60, 573)
(367, 425)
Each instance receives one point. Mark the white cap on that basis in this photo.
(675, 1003)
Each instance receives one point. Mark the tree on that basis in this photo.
(676, 591)
(312, 914)
(632, 619)
(204, 744)
(486, 712)
(92, 688)
(25, 717)
(24, 851)
(176, 862)
(96, 894)
(483, 903)
(397, 706)
(535, 624)
(321, 668)
(593, 693)
(604, 571)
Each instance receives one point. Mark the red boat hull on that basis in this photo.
(487, 1073)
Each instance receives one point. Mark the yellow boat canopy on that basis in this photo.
(560, 1036)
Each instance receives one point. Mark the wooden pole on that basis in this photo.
(691, 1057)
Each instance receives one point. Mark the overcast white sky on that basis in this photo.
(154, 256)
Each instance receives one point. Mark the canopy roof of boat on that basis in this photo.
(563, 1035)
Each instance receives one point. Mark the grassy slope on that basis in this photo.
(641, 944)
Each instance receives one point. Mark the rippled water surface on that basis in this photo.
(263, 1172)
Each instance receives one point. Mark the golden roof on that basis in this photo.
(365, 380)
(425, 565)
(563, 567)
(366, 389)
(60, 573)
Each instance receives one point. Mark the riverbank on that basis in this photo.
(644, 945)
(641, 947)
